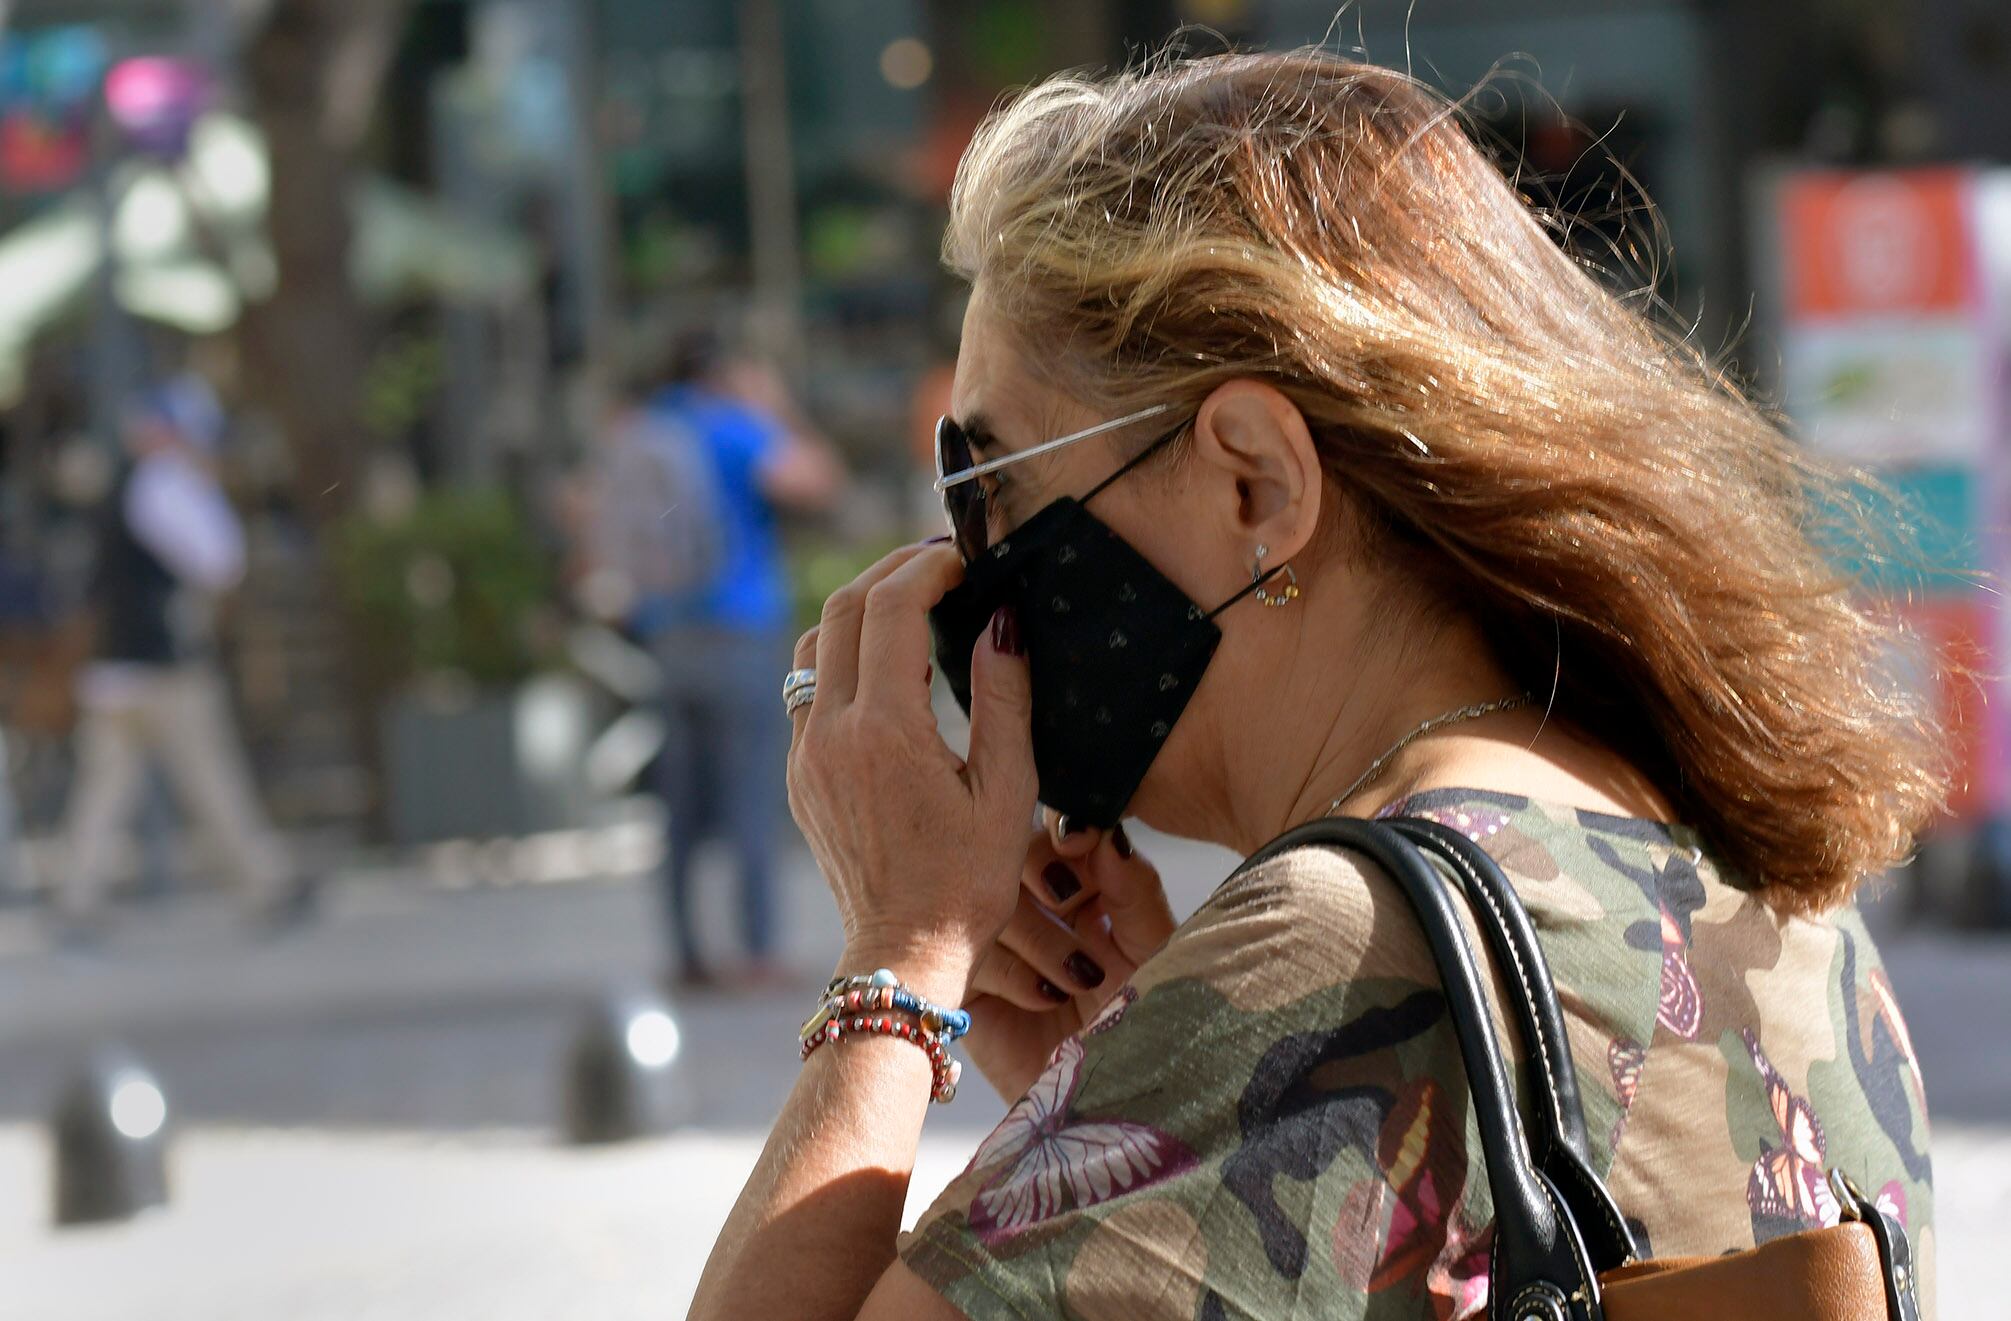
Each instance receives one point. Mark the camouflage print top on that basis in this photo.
(1272, 1121)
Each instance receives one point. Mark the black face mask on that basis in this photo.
(1115, 650)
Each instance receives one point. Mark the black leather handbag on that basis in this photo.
(1562, 1250)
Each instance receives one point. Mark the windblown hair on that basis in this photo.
(1618, 516)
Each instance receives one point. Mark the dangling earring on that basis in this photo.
(1284, 595)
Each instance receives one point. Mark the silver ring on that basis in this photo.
(799, 697)
(796, 679)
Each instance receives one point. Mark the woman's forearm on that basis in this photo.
(922, 850)
(815, 1225)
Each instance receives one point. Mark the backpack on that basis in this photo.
(658, 526)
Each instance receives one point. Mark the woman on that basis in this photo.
(1267, 331)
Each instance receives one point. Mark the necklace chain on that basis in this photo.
(1454, 717)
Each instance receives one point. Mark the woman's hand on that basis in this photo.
(922, 850)
(1090, 911)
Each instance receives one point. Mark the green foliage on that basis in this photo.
(1008, 39)
(819, 568)
(454, 586)
(400, 383)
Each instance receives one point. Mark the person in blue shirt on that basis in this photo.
(722, 638)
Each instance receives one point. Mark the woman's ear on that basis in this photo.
(1267, 476)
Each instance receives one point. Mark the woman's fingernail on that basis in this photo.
(1061, 882)
(937, 541)
(1052, 992)
(1084, 970)
(1121, 841)
(1066, 825)
(1005, 631)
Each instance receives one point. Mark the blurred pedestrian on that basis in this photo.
(23, 613)
(13, 876)
(169, 547)
(692, 484)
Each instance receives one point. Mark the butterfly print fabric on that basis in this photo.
(1271, 1120)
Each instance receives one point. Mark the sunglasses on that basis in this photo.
(965, 499)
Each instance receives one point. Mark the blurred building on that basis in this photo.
(539, 193)
(786, 164)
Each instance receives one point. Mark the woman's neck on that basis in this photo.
(1361, 762)
(1285, 761)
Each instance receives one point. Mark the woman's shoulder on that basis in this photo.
(1279, 930)
(1589, 880)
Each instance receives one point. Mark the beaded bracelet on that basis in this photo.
(944, 1071)
(932, 1027)
(880, 989)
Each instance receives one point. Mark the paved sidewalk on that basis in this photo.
(363, 1108)
(268, 1225)
(406, 1004)
(297, 1226)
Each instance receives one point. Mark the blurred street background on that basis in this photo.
(373, 751)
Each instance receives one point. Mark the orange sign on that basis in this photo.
(1884, 242)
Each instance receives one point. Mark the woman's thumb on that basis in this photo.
(1001, 756)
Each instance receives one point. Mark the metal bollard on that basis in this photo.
(109, 1131)
(622, 1074)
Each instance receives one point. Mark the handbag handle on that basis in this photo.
(1557, 1132)
(1561, 1152)
(1539, 1269)
(1549, 1205)
(1559, 1137)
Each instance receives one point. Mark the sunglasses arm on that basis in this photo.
(978, 470)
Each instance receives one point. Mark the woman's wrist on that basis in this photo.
(918, 1006)
(936, 970)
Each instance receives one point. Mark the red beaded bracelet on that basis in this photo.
(944, 1071)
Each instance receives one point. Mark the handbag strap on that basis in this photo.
(1557, 1131)
(1539, 1267)
(1511, 940)
(1549, 1205)
(1559, 1144)
(1895, 1254)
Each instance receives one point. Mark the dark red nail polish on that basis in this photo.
(1085, 970)
(937, 541)
(1052, 992)
(1066, 825)
(1121, 841)
(1061, 882)
(1005, 631)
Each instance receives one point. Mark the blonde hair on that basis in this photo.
(1476, 394)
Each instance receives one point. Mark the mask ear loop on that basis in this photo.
(1133, 462)
(1141, 457)
(1255, 585)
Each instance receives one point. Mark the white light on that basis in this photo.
(189, 295)
(43, 265)
(138, 1108)
(907, 63)
(228, 156)
(652, 1038)
(153, 220)
(548, 729)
